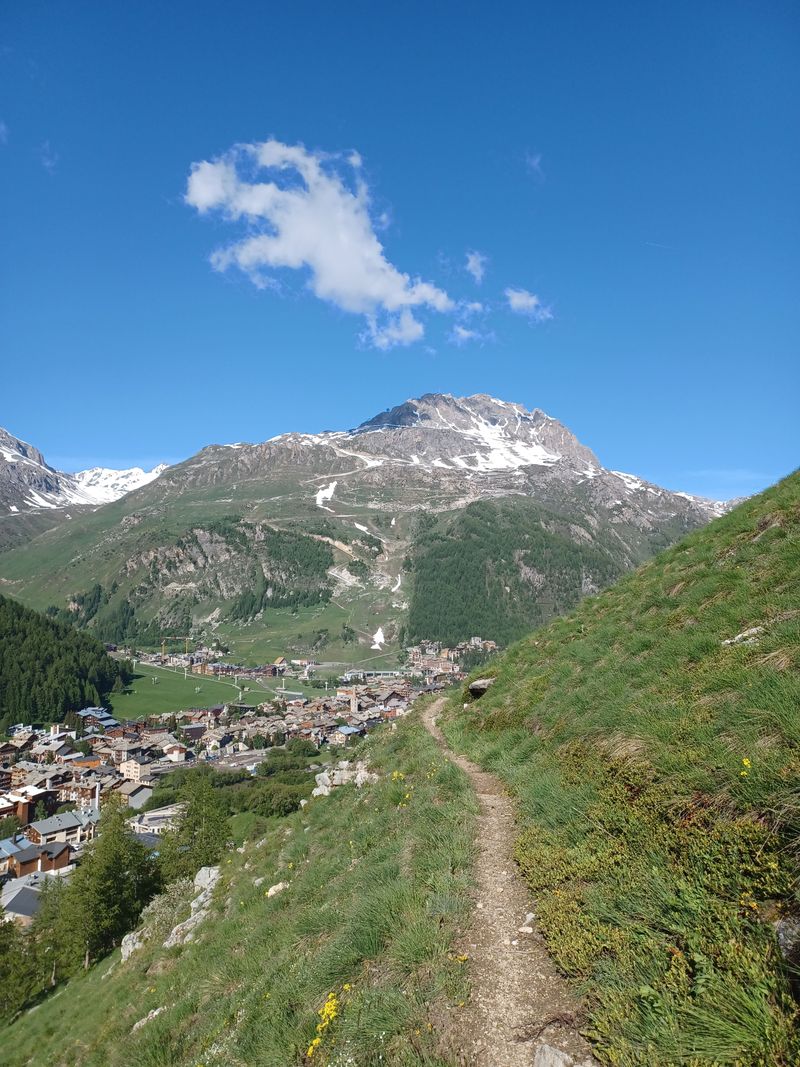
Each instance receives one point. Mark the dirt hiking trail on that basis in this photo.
(521, 1012)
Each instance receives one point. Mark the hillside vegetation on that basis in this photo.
(352, 963)
(656, 763)
(47, 669)
(500, 568)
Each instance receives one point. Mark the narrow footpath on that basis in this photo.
(521, 1012)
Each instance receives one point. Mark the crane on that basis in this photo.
(182, 637)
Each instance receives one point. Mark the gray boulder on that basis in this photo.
(206, 878)
(131, 943)
(480, 686)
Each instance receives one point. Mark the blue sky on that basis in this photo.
(626, 173)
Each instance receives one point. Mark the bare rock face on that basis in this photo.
(150, 1015)
(323, 786)
(787, 931)
(206, 878)
(746, 637)
(131, 943)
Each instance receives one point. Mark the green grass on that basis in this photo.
(656, 772)
(378, 884)
(291, 632)
(172, 692)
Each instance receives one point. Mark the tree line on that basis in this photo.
(82, 919)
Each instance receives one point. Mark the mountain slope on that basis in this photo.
(651, 739)
(35, 497)
(47, 669)
(362, 492)
(29, 483)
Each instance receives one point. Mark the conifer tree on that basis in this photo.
(201, 835)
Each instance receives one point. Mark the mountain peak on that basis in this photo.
(102, 484)
(13, 450)
(478, 432)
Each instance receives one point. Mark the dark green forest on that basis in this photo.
(47, 668)
(499, 569)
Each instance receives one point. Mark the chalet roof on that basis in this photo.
(25, 902)
(10, 847)
(129, 788)
(33, 852)
(67, 820)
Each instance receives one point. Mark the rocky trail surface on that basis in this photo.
(521, 1012)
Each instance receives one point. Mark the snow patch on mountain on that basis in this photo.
(323, 494)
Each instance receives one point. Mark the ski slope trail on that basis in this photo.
(521, 1012)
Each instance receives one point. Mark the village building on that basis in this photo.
(50, 857)
(73, 827)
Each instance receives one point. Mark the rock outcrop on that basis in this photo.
(343, 773)
(204, 882)
(479, 687)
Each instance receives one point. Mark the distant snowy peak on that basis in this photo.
(29, 483)
(101, 485)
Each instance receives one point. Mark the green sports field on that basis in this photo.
(156, 690)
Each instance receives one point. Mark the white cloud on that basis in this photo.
(533, 161)
(471, 307)
(476, 265)
(311, 212)
(525, 303)
(48, 156)
(404, 329)
(460, 335)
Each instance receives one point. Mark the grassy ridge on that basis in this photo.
(656, 771)
(378, 882)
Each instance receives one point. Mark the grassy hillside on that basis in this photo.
(378, 883)
(657, 769)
